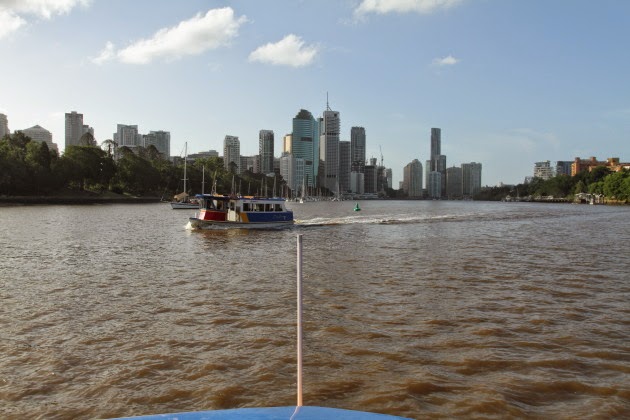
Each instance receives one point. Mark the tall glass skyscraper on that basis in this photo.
(265, 151)
(357, 149)
(329, 149)
(305, 144)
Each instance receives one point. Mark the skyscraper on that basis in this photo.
(438, 160)
(125, 135)
(471, 178)
(357, 149)
(40, 134)
(344, 166)
(305, 144)
(74, 128)
(412, 179)
(454, 183)
(4, 126)
(232, 153)
(160, 139)
(329, 149)
(265, 150)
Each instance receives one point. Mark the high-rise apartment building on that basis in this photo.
(127, 136)
(357, 148)
(74, 128)
(543, 170)
(232, 153)
(563, 167)
(471, 179)
(438, 160)
(454, 183)
(292, 171)
(434, 184)
(412, 179)
(329, 149)
(305, 144)
(265, 151)
(4, 126)
(161, 140)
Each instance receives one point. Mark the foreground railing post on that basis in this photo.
(299, 320)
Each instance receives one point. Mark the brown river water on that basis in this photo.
(420, 309)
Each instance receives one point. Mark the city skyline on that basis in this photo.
(509, 83)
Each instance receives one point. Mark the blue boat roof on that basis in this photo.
(272, 413)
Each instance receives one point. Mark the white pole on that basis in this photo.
(299, 320)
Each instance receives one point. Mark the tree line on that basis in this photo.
(30, 168)
(614, 186)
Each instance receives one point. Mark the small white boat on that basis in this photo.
(245, 212)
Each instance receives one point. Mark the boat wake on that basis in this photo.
(369, 220)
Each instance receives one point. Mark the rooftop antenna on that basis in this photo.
(327, 106)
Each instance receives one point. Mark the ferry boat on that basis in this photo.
(245, 212)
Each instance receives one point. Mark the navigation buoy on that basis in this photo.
(357, 208)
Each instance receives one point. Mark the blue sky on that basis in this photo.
(509, 82)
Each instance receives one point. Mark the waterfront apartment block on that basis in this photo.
(454, 183)
(412, 179)
(265, 150)
(613, 164)
(357, 149)
(232, 153)
(543, 170)
(41, 135)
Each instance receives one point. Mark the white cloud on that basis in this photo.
(13, 13)
(449, 60)
(190, 37)
(107, 54)
(403, 6)
(290, 51)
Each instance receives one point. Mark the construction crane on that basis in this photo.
(379, 148)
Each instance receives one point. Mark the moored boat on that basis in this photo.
(245, 212)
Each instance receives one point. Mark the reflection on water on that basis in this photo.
(419, 309)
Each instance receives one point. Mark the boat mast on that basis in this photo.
(185, 158)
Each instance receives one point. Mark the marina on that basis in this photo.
(411, 308)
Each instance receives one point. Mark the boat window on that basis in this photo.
(260, 207)
(267, 207)
(278, 207)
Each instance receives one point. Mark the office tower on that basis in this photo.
(74, 128)
(436, 146)
(543, 170)
(305, 144)
(389, 178)
(471, 179)
(232, 154)
(357, 148)
(265, 151)
(370, 178)
(41, 135)
(161, 140)
(412, 179)
(292, 171)
(345, 166)
(434, 184)
(127, 136)
(454, 183)
(286, 143)
(4, 126)
(329, 149)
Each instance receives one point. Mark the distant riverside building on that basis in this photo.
(437, 159)
(370, 179)
(412, 179)
(357, 182)
(292, 171)
(161, 140)
(543, 170)
(127, 136)
(612, 163)
(434, 184)
(265, 150)
(345, 166)
(329, 148)
(563, 167)
(249, 163)
(357, 148)
(232, 153)
(454, 184)
(305, 144)
(74, 128)
(389, 178)
(4, 126)
(471, 179)
(202, 155)
(41, 135)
